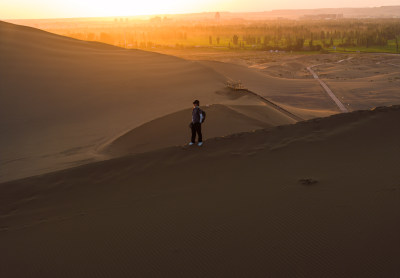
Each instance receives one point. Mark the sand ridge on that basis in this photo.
(173, 129)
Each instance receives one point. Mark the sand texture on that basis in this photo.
(318, 198)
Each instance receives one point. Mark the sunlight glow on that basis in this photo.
(99, 8)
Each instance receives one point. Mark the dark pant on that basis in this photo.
(196, 128)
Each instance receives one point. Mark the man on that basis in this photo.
(197, 119)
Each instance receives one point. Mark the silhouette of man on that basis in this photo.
(195, 125)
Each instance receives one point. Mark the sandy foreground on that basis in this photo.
(111, 190)
(318, 198)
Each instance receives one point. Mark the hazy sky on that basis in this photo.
(10, 9)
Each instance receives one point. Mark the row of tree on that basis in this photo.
(290, 35)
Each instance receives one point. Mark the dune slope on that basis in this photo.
(318, 198)
(173, 129)
(60, 98)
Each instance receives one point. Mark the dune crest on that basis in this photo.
(173, 130)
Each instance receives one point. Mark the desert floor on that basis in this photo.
(97, 179)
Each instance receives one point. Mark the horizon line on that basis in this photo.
(193, 13)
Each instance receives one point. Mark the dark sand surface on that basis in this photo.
(318, 198)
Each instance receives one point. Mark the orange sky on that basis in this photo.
(12, 9)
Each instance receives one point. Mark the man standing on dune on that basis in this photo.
(195, 125)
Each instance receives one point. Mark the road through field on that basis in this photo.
(327, 89)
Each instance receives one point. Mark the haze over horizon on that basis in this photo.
(24, 9)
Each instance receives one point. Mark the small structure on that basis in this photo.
(235, 85)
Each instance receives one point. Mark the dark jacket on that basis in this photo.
(196, 115)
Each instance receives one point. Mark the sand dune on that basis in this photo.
(61, 99)
(172, 130)
(318, 198)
